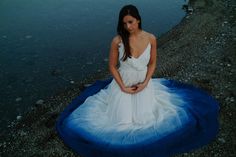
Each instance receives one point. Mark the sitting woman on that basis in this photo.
(134, 115)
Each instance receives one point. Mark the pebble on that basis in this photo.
(18, 99)
(222, 140)
(18, 118)
(39, 102)
(227, 99)
(4, 144)
(87, 85)
(22, 133)
(232, 99)
(190, 10)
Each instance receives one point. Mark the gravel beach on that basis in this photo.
(201, 50)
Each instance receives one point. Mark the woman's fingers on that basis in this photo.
(134, 89)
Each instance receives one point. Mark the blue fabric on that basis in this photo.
(201, 128)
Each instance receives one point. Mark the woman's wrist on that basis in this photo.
(122, 87)
(146, 82)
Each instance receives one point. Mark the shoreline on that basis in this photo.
(200, 50)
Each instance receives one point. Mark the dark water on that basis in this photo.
(44, 45)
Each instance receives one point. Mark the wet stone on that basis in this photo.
(18, 118)
(222, 140)
(87, 85)
(22, 133)
(232, 99)
(39, 102)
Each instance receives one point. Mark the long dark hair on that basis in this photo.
(132, 11)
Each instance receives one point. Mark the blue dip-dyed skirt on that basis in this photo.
(166, 118)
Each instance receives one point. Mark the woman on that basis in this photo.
(135, 42)
(135, 115)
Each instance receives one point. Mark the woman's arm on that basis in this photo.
(113, 60)
(151, 64)
(152, 61)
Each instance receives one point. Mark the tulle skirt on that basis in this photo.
(166, 118)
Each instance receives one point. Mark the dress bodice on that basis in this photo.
(133, 70)
(132, 63)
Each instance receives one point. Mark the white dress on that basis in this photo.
(112, 122)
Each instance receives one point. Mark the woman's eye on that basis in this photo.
(130, 22)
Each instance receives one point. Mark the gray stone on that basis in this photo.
(22, 133)
(222, 140)
(87, 85)
(39, 102)
(232, 99)
(18, 118)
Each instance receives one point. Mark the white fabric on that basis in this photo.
(112, 110)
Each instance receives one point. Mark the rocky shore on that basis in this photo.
(201, 50)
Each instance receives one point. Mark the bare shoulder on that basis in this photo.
(116, 40)
(151, 37)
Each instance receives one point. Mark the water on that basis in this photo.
(44, 45)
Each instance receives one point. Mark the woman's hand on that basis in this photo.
(129, 90)
(135, 88)
(140, 86)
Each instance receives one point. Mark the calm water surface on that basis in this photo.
(44, 45)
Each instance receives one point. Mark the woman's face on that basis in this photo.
(131, 24)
